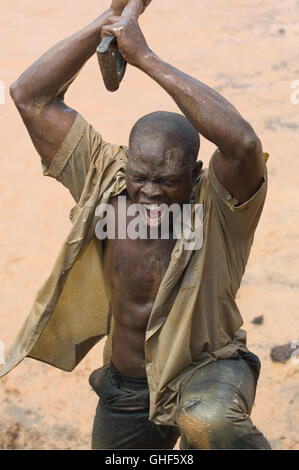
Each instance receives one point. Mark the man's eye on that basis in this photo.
(138, 179)
(170, 183)
(162, 182)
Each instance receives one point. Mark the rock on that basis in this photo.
(281, 353)
(281, 31)
(258, 320)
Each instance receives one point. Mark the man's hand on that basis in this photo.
(130, 40)
(117, 6)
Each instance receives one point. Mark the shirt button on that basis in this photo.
(90, 204)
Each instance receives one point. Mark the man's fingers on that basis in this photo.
(106, 30)
(113, 28)
(110, 26)
(112, 19)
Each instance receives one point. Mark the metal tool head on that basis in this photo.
(112, 64)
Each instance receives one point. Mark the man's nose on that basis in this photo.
(151, 190)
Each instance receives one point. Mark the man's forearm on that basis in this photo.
(211, 114)
(51, 75)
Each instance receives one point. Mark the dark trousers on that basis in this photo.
(214, 409)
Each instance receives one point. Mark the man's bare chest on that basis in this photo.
(134, 267)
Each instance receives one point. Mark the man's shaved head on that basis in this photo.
(162, 167)
(166, 129)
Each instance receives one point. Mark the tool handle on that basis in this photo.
(111, 62)
(133, 9)
(105, 43)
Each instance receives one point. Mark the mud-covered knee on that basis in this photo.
(212, 425)
(199, 424)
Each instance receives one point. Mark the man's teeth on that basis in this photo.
(152, 207)
(153, 210)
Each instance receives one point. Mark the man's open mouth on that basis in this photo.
(152, 214)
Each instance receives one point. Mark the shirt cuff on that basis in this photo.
(67, 148)
(227, 198)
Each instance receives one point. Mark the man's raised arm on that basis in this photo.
(238, 162)
(39, 92)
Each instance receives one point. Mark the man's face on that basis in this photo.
(157, 173)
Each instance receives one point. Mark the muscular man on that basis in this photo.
(176, 363)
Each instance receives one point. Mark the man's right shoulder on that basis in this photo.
(82, 150)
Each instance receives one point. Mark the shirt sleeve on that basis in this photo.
(238, 220)
(82, 148)
(234, 224)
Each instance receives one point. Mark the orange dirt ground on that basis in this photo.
(248, 51)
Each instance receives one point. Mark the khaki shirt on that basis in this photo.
(194, 320)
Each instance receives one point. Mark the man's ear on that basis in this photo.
(197, 169)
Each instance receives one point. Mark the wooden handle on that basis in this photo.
(133, 9)
(105, 44)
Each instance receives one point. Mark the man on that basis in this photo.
(176, 363)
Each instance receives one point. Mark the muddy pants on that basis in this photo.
(213, 413)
